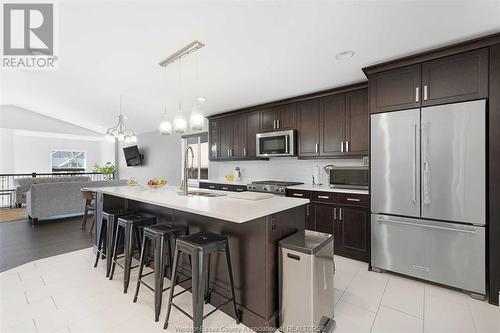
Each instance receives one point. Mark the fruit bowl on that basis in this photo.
(157, 183)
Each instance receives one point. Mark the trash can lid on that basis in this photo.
(306, 241)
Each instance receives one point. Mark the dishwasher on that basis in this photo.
(306, 269)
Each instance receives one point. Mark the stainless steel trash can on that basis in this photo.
(306, 282)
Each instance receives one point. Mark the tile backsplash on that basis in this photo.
(277, 168)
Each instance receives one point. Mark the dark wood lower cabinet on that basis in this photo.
(324, 219)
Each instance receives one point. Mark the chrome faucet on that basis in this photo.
(184, 183)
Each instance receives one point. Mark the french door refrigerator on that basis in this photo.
(428, 193)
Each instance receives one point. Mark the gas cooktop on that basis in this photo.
(271, 186)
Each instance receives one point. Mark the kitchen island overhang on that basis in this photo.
(253, 228)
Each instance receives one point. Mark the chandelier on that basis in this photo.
(119, 132)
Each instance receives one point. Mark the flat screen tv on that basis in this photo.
(132, 156)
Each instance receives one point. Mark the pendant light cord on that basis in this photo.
(180, 84)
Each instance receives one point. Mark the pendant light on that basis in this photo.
(165, 126)
(197, 120)
(180, 123)
(119, 132)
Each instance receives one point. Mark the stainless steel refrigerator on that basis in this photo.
(428, 193)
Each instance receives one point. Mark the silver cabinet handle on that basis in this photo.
(298, 195)
(308, 209)
(317, 148)
(382, 220)
(225, 188)
(274, 123)
(323, 197)
(353, 199)
(278, 123)
(341, 214)
(417, 97)
(334, 213)
(342, 146)
(245, 151)
(425, 92)
(286, 144)
(347, 146)
(211, 186)
(414, 199)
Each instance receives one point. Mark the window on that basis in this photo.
(199, 144)
(68, 160)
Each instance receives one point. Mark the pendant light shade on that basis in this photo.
(180, 123)
(119, 132)
(197, 120)
(165, 126)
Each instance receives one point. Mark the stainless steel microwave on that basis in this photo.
(281, 143)
(355, 177)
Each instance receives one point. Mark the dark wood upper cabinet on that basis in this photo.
(455, 78)
(239, 143)
(286, 116)
(268, 119)
(332, 125)
(357, 122)
(225, 137)
(251, 130)
(396, 89)
(308, 125)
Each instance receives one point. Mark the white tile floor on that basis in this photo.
(65, 294)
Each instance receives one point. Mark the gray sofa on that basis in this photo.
(23, 185)
(60, 198)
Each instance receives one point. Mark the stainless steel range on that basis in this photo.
(271, 186)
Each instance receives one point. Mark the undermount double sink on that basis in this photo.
(204, 194)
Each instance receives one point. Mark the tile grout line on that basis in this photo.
(34, 323)
(423, 310)
(53, 301)
(471, 315)
(26, 296)
(19, 276)
(380, 303)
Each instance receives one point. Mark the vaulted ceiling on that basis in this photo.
(255, 52)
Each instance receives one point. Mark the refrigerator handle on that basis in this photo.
(414, 199)
(426, 166)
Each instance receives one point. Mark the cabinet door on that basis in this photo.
(353, 232)
(308, 128)
(324, 218)
(213, 139)
(332, 120)
(287, 116)
(251, 130)
(397, 89)
(239, 136)
(225, 137)
(456, 78)
(357, 122)
(268, 120)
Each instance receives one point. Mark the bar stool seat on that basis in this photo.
(163, 235)
(129, 226)
(199, 246)
(109, 220)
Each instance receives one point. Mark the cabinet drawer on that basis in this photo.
(361, 200)
(210, 186)
(298, 194)
(239, 188)
(323, 197)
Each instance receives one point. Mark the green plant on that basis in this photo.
(106, 169)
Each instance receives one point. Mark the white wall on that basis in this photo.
(278, 168)
(162, 158)
(28, 138)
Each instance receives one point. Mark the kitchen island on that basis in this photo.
(253, 228)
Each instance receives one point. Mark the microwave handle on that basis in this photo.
(286, 144)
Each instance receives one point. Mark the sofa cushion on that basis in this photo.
(23, 185)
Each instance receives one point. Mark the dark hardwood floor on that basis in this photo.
(20, 243)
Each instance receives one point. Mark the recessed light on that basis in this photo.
(345, 55)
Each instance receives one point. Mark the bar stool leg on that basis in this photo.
(198, 284)
(231, 283)
(207, 281)
(100, 243)
(141, 267)
(172, 286)
(110, 235)
(115, 251)
(129, 247)
(159, 271)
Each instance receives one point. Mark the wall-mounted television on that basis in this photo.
(132, 156)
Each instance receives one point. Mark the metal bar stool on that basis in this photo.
(163, 235)
(109, 220)
(131, 226)
(199, 246)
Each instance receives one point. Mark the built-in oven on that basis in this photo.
(281, 143)
(355, 177)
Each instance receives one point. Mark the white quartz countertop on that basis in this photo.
(225, 182)
(223, 207)
(327, 188)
